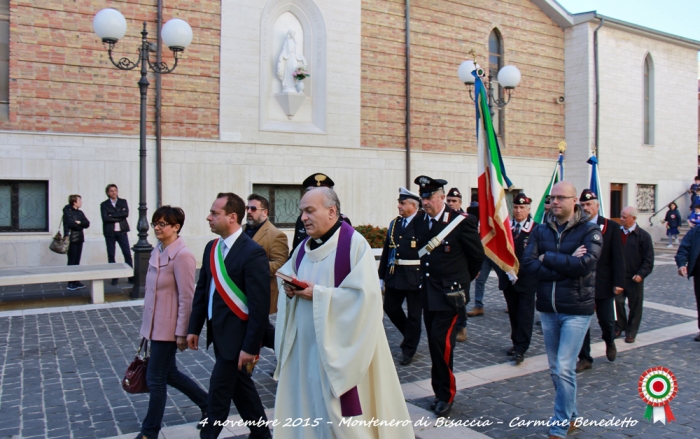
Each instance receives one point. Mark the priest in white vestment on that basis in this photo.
(330, 341)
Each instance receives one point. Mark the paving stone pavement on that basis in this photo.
(607, 392)
(60, 372)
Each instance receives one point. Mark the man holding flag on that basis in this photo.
(450, 257)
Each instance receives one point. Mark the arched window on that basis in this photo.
(648, 100)
(495, 64)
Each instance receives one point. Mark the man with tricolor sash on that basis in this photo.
(233, 297)
(333, 358)
(451, 256)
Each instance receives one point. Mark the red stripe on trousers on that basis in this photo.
(448, 354)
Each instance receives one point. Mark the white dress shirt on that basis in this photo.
(226, 245)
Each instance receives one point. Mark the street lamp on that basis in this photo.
(508, 78)
(110, 25)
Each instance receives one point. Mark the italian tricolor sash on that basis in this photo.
(229, 291)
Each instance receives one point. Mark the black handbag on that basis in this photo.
(135, 377)
(60, 244)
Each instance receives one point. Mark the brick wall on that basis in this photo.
(442, 32)
(61, 79)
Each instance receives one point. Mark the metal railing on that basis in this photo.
(666, 206)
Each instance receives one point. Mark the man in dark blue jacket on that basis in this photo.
(687, 262)
(562, 254)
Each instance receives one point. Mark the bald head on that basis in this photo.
(320, 208)
(628, 217)
(563, 199)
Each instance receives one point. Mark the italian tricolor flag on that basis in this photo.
(496, 235)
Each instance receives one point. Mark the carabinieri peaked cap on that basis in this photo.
(428, 186)
(454, 192)
(587, 195)
(318, 180)
(405, 194)
(521, 199)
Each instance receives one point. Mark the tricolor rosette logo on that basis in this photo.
(657, 387)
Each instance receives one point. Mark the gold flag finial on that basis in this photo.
(473, 54)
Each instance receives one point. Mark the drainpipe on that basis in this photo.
(408, 93)
(597, 89)
(159, 150)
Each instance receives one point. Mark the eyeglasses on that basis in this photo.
(160, 225)
(252, 208)
(559, 197)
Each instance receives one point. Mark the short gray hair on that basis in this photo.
(330, 199)
(414, 202)
(631, 211)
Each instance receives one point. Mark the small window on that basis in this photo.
(495, 65)
(284, 202)
(646, 198)
(648, 101)
(24, 206)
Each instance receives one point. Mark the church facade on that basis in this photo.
(235, 118)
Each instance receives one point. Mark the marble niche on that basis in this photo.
(293, 36)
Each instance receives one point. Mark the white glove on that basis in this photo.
(512, 277)
(381, 284)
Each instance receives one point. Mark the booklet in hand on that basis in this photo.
(294, 283)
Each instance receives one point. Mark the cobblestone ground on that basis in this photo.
(60, 372)
(608, 392)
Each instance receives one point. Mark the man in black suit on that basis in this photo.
(520, 297)
(451, 255)
(115, 225)
(233, 296)
(609, 280)
(638, 251)
(399, 274)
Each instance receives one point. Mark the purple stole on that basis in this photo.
(349, 401)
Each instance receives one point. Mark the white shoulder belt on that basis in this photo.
(437, 240)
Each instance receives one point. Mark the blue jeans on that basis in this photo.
(480, 283)
(563, 338)
(162, 371)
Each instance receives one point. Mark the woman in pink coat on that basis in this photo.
(166, 315)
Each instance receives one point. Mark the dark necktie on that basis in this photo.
(517, 229)
(433, 221)
(404, 224)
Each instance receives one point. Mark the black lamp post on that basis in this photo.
(110, 25)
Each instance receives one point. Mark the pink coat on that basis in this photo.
(169, 292)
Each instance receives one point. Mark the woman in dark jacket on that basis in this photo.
(74, 222)
(673, 222)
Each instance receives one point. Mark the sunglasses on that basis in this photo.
(252, 208)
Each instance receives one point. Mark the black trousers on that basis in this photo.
(521, 311)
(696, 284)
(442, 336)
(75, 250)
(605, 310)
(269, 337)
(123, 239)
(408, 325)
(227, 383)
(634, 292)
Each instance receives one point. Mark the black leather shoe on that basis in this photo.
(611, 351)
(433, 404)
(406, 359)
(510, 352)
(442, 409)
(518, 357)
(204, 416)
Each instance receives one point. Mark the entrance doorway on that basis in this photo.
(616, 203)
